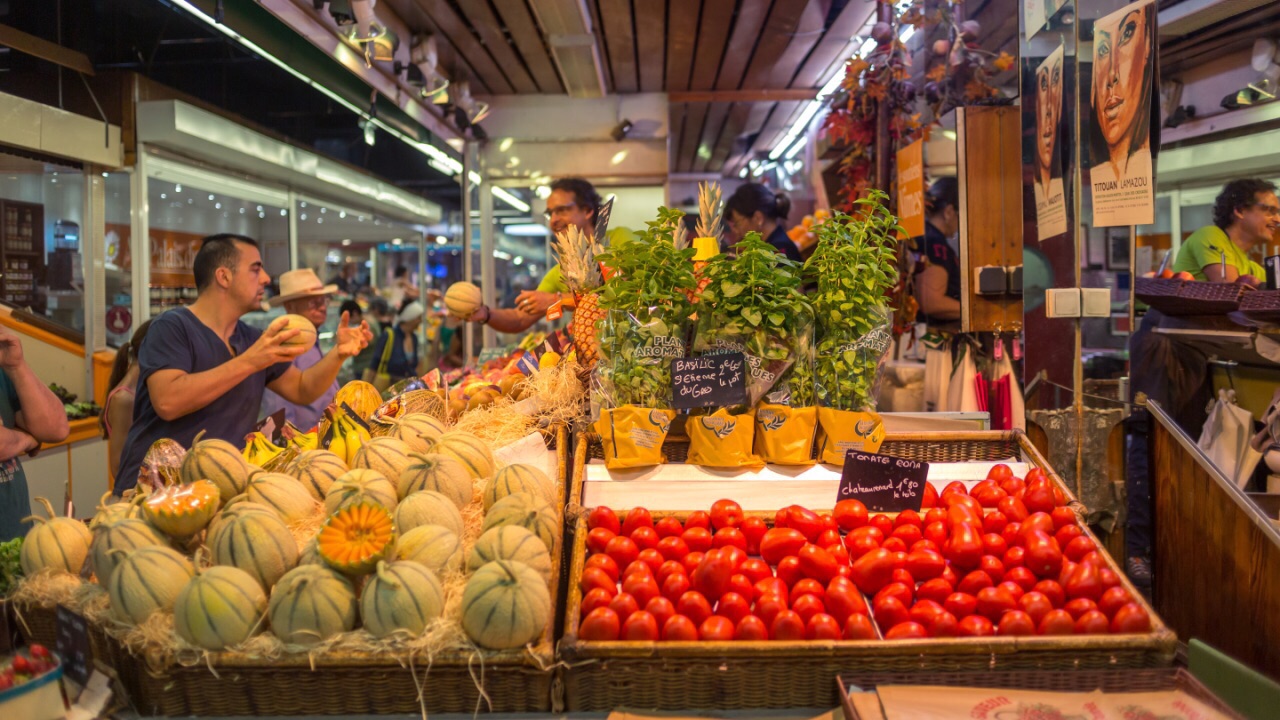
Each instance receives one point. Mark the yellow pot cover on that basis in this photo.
(845, 430)
(722, 440)
(784, 435)
(632, 436)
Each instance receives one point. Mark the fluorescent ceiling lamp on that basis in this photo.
(526, 230)
(801, 125)
(796, 148)
(437, 158)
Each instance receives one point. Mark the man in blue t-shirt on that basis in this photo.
(201, 368)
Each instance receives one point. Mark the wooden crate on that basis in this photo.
(600, 676)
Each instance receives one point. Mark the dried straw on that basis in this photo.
(497, 424)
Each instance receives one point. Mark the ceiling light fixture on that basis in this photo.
(801, 125)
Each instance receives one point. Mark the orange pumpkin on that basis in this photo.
(354, 539)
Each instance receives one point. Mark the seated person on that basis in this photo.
(1246, 215)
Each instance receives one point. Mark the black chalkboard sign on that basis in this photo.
(709, 381)
(882, 482)
(72, 645)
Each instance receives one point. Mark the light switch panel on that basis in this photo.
(1062, 302)
(1095, 302)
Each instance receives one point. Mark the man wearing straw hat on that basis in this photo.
(302, 293)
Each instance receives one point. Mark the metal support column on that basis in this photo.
(92, 248)
(140, 242)
(488, 291)
(293, 231)
(468, 227)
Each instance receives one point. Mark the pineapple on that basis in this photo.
(708, 241)
(577, 252)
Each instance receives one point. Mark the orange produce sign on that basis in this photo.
(911, 188)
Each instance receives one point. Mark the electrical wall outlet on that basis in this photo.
(1062, 302)
(1015, 279)
(1095, 302)
(990, 280)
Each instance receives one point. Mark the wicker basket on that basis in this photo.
(600, 676)
(1261, 306)
(1110, 681)
(39, 624)
(233, 684)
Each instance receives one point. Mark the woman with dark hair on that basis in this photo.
(755, 208)
(937, 281)
(117, 415)
(1120, 143)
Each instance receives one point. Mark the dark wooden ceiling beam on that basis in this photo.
(713, 33)
(485, 24)
(717, 114)
(453, 27)
(834, 44)
(810, 29)
(682, 33)
(742, 44)
(744, 96)
(778, 33)
(528, 39)
(620, 40)
(48, 51)
(651, 48)
(694, 118)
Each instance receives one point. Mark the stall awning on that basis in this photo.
(211, 138)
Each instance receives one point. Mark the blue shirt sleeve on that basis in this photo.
(167, 346)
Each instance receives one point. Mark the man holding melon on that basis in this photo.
(303, 295)
(202, 368)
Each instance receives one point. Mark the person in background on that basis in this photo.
(346, 280)
(202, 368)
(937, 283)
(402, 290)
(301, 293)
(117, 414)
(1246, 215)
(402, 360)
(755, 208)
(354, 367)
(32, 415)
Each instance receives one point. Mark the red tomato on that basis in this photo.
(729, 537)
(1015, 557)
(994, 522)
(975, 626)
(993, 544)
(1066, 534)
(596, 579)
(624, 605)
(603, 517)
(636, 518)
(906, 630)
(778, 543)
(829, 522)
(989, 496)
(1012, 535)
(733, 606)
(1035, 474)
(1021, 577)
(936, 589)
(1015, 623)
(600, 625)
(596, 598)
(808, 586)
(751, 628)
(753, 529)
(994, 602)
(961, 604)
(975, 581)
(661, 609)
(1108, 577)
(1095, 559)
(787, 625)
(900, 575)
(698, 519)
(755, 569)
(694, 606)
(859, 627)
(1077, 548)
(873, 570)
(1015, 486)
(859, 542)
(623, 550)
(1041, 522)
(964, 547)
(645, 537)
(1043, 556)
(735, 554)
(881, 522)
(1079, 607)
(726, 514)
(925, 564)
(668, 526)
(992, 566)
(999, 472)
(841, 555)
(768, 607)
(697, 539)
(712, 576)
(908, 517)
(925, 611)
(1093, 622)
(1083, 582)
(1131, 618)
(1052, 590)
(841, 602)
(807, 606)
(889, 611)
(829, 537)
(741, 584)
(954, 487)
(924, 544)
(895, 545)
(599, 538)
(605, 563)
(1013, 509)
(1039, 497)
(850, 514)
(772, 586)
(1013, 589)
(639, 567)
(908, 534)
(817, 563)
(964, 509)
(789, 570)
(937, 532)
(691, 561)
(673, 547)
(822, 627)
(652, 558)
(676, 585)
(679, 628)
(949, 574)
(1056, 622)
(643, 589)
(902, 592)
(804, 520)
(1035, 604)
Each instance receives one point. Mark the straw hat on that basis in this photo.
(297, 284)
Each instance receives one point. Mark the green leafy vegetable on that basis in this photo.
(10, 565)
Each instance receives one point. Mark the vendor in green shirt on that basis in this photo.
(1246, 214)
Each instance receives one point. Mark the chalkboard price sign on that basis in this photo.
(709, 381)
(72, 644)
(882, 482)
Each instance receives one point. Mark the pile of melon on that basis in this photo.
(222, 549)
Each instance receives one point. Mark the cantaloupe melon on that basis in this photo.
(510, 542)
(428, 508)
(54, 544)
(147, 580)
(417, 430)
(440, 473)
(219, 462)
(505, 605)
(220, 607)
(402, 597)
(317, 470)
(528, 511)
(181, 511)
(122, 534)
(362, 397)
(434, 546)
(234, 509)
(310, 554)
(462, 299)
(471, 450)
(384, 455)
(311, 604)
(110, 512)
(281, 493)
(256, 540)
(516, 478)
(356, 538)
(357, 486)
(306, 336)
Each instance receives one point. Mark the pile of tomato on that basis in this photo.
(1005, 558)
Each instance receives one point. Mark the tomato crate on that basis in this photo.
(358, 683)
(602, 675)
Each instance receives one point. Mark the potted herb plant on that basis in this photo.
(647, 308)
(854, 266)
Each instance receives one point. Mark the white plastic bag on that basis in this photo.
(937, 377)
(962, 393)
(1225, 438)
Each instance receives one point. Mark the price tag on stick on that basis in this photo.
(882, 482)
(72, 645)
(709, 381)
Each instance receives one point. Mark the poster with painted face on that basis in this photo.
(1123, 82)
(1051, 206)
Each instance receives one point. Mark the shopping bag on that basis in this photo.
(938, 365)
(961, 391)
(1225, 438)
